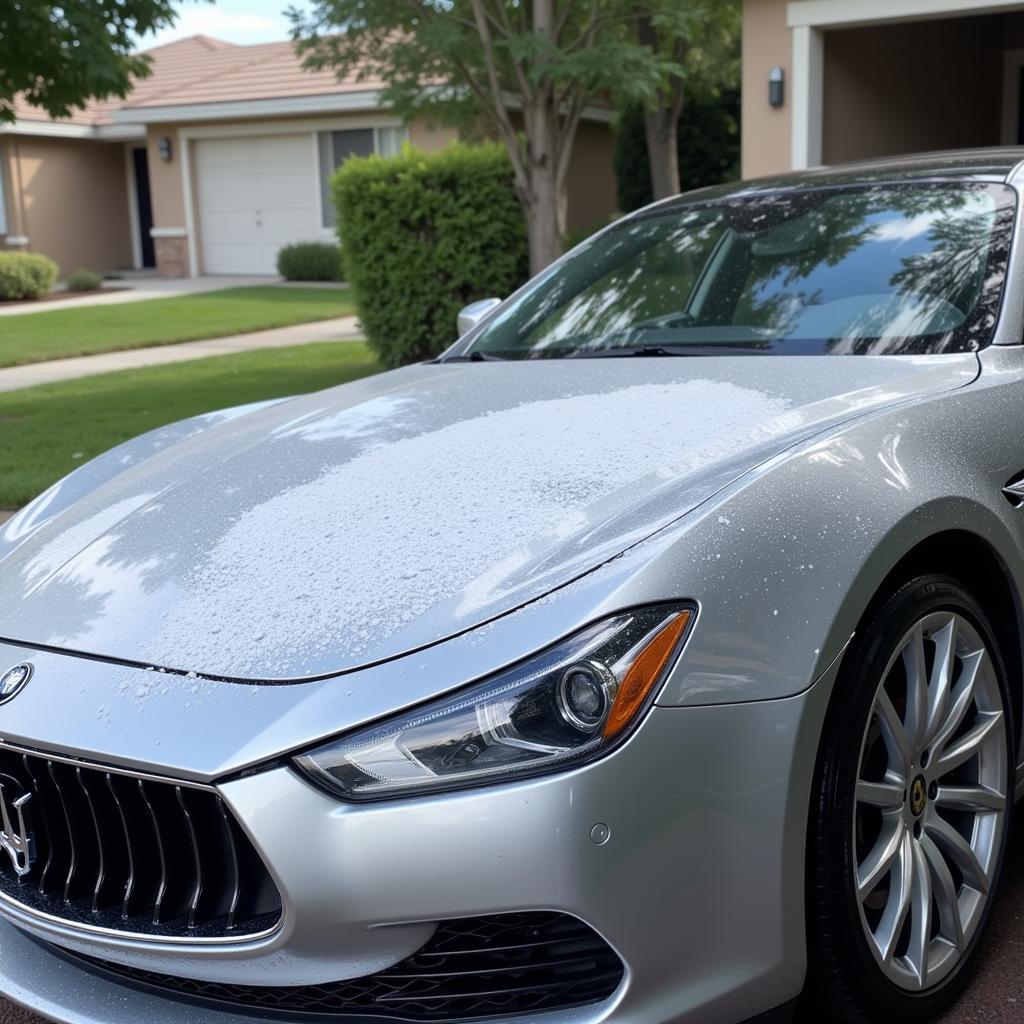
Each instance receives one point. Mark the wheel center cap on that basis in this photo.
(918, 796)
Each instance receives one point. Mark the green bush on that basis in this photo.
(26, 275)
(423, 235)
(83, 280)
(309, 261)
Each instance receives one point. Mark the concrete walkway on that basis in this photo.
(138, 289)
(344, 328)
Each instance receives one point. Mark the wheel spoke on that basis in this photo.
(897, 743)
(881, 857)
(941, 680)
(920, 917)
(959, 851)
(977, 799)
(887, 934)
(960, 751)
(962, 696)
(950, 923)
(917, 688)
(887, 795)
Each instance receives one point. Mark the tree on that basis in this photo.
(708, 144)
(525, 70)
(700, 40)
(59, 56)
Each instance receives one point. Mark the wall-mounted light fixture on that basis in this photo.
(776, 87)
(164, 148)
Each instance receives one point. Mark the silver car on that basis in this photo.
(653, 655)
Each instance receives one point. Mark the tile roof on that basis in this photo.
(200, 69)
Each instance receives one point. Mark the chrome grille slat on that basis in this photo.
(108, 854)
(98, 884)
(236, 879)
(129, 884)
(48, 863)
(72, 851)
(197, 891)
(161, 891)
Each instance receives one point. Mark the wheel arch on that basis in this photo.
(975, 563)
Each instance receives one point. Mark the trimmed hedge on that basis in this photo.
(309, 261)
(424, 234)
(83, 280)
(26, 275)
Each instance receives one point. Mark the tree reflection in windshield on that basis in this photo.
(867, 270)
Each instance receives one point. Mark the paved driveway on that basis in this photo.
(996, 997)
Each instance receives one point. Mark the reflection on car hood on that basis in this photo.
(346, 527)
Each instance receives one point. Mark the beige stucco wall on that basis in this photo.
(765, 130)
(165, 183)
(70, 197)
(430, 136)
(893, 89)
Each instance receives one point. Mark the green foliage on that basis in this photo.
(58, 56)
(309, 261)
(26, 275)
(520, 72)
(423, 235)
(708, 144)
(431, 54)
(83, 280)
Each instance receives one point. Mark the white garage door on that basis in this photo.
(255, 195)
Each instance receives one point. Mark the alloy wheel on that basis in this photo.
(931, 801)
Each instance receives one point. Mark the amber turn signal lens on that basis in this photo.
(646, 670)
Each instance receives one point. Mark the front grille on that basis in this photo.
(472, 969)
(134, 855)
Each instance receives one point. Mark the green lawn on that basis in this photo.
(49, 430)
(36, 337)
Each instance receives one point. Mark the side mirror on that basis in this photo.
(472, 314)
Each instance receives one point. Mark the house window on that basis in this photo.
(337, 147)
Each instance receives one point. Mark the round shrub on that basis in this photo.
(424, 234)
(26, 275)
(83, 280)
(309, 261)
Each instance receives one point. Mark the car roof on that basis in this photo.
(980, 165)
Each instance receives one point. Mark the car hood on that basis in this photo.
(344, 528)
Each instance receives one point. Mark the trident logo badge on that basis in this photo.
(16, 842)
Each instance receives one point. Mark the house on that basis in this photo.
(217, 159)
(828, 81)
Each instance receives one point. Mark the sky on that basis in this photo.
(236, 21)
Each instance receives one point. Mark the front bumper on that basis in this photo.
(699, 890)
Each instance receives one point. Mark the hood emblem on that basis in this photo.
(16, 842)
(13, 681)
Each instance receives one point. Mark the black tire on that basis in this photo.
(845, 983)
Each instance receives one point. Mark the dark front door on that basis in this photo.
(144, 204)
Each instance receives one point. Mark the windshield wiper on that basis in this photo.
(677, 349)
(476, 356)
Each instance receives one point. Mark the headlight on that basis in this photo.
(569, 704)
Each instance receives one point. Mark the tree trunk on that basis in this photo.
(546, 203)
(663, 150)
(661, 123)
(545, 220)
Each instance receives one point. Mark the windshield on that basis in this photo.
(869, 270)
